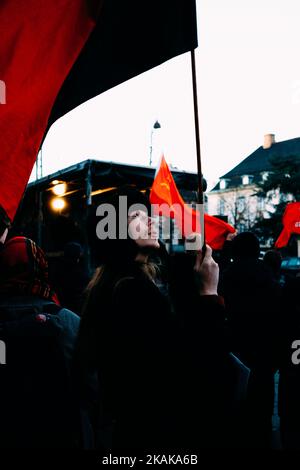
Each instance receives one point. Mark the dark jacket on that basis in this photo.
(37, 404)
(252, 300)
(166, 379)
(69, 282)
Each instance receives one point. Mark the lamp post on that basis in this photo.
(39, 174)
(39, 165)
(156, 125)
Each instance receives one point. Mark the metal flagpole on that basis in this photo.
(198, 151)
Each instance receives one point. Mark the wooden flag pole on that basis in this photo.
(198, 150)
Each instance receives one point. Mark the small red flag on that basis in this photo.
(167, 201)
(291, 224)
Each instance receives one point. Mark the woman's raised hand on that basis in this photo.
(207, 272)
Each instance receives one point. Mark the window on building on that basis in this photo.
(260, 203)
(275, 196)
(223, 184)
(247, 179)
(222, 207)
(241, 204)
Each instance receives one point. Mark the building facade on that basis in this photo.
(236, 197)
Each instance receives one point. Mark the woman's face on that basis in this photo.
(142, 229)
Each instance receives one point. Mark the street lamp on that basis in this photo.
(39, 165)
(58, 204)
(156, 125)
(59, 189)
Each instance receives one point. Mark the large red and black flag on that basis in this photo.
(56, 55)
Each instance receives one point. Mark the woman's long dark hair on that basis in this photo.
(117, 261)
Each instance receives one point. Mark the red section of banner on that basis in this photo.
(39, 43)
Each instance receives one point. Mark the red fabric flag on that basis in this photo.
(164, 193)
(216, 231)
(291, 224)
(40, 41)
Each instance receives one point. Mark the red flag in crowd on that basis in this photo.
(291, 224)
(164, 193)
(40, 41)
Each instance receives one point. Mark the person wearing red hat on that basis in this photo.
(37, 401)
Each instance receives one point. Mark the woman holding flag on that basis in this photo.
(164, 376)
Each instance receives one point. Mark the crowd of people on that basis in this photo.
(154, 352)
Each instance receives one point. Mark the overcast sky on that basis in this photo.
(248, 76)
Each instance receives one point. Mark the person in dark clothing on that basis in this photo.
(71, 278)
(37, 403)
(289, 369)
(273, 260)
(252, 300)
(224, 256)
(165, 377)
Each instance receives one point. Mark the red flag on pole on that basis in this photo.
(167, 201)
(291, 224)
(40, 41)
